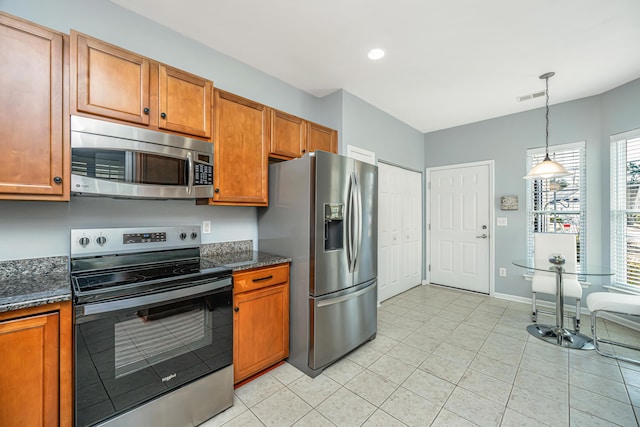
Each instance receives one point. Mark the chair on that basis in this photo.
(546, 244)
(609, 302)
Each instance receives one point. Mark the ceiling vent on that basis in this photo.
(530, 96)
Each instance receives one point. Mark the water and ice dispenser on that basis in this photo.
(333, 226)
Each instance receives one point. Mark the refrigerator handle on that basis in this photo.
(357, 234)
(349, 225)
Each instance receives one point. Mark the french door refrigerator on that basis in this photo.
(323, 215)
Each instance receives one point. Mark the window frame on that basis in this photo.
(619, 210)
(537, 154)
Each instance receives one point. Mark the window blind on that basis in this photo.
(559, 205)
(625, 209)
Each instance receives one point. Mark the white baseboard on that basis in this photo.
(424, 282)
(513, 298)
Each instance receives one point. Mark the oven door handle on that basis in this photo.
(140, 301)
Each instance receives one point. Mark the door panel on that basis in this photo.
(389, 233)
(400, 230)
(332, 185)
(367, 260)
(459, 219)
(335, 331)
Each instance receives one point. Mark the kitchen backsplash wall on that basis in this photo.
(41, 229)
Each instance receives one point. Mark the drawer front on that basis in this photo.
(260, 278)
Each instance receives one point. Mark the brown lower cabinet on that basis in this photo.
(261, 319)
(35, 379)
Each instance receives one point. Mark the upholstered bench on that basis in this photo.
(607, 302)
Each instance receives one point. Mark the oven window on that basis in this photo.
(126, 358)
(129, 166)
(154, 336)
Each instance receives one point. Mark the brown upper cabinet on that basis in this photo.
(288, 135)
(33, 131)
(240, 157)
(321, 138)
(292, 136)
(114, 83)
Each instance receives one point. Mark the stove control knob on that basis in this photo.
(101, 240)
(182, 235)
(84, 241)
(194, 235)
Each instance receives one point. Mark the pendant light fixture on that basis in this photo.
(547, 168)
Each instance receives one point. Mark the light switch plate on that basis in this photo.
(206, 227)
(502, 222)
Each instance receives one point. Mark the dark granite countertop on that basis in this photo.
(38, 281)
(33, 282)
(244, 260)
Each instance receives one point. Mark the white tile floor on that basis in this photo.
(449, 358)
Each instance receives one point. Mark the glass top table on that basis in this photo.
(558, 334)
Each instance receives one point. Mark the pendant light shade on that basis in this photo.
(547, 168)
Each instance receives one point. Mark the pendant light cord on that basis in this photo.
(547, 119)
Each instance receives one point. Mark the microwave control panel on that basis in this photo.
(202, 174)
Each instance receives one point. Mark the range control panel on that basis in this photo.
(101, 241)
(143, 238)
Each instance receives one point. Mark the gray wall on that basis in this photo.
(34, 229)
(506, 139)
(366, 126)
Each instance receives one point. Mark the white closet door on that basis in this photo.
(412, 229)
(400, 230)
(388, 232)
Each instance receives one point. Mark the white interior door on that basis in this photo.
(399, 230)
(411, 245)
(459, 218)
(388, 233)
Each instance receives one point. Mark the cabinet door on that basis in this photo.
(185, 102)
(32, 164)
(240, 151)
(29, 374)
(288, 135)
(321, 138)
(260, 330)
(110, 81)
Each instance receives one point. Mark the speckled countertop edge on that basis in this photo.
(246, 260)
(33, 282)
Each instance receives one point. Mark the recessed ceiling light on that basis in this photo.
(375, 54)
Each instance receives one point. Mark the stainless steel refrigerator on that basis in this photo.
(323, 214)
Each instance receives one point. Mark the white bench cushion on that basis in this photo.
(608, 301)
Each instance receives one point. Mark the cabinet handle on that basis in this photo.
(217, 190)
(262, 279)
(237, 309)
(163, 115)
(57, 180)
(304, 151)
(146, 110)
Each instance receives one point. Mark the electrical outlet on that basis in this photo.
(503, 272)
(206, 227)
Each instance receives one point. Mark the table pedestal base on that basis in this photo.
(561, 336)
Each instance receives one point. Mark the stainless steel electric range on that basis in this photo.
(153, 328)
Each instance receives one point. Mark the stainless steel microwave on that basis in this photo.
(114, 160)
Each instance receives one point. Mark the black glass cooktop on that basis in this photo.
(119, 276)
(100, 280)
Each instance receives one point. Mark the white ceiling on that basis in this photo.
(448, 62)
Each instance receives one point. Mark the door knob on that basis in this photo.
(482, 236)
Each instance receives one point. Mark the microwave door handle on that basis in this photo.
(190, 166)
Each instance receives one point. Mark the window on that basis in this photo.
(625, 209)
(558, 205)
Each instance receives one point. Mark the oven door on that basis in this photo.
(133, 350)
